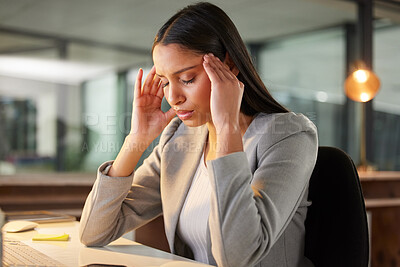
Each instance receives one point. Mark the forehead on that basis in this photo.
(172, 57)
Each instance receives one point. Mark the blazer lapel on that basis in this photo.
(179, 162)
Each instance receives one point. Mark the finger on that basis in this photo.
(170, 114)
(229, 74)
(138, 84)
(223, 68)
(155, 85)
(241, 85)
(160, 90)
(226, 72)
(149, 80)
(212, 74)
(213, 64)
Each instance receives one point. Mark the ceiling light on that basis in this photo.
(55, 71)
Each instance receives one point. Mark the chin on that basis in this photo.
(191, 123)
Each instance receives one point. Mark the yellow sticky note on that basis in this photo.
(47, 237)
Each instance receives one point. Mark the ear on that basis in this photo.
(228, 61)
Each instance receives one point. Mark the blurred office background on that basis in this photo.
(67, 70)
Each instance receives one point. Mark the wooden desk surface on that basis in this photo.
(379, 176)
(59, 192)
(122, 252)
(48, 179)
(381, 191)
(381, 188)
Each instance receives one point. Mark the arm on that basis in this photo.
(105, 218)
(148, 121)
(134, 203)
(114, 205)
(280, 181)
(225, 101)
(249, 211)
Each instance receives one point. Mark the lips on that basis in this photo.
(184, 114)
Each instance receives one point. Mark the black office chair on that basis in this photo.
(336, 223)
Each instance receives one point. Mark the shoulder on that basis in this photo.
(288, 122)
(270, 129)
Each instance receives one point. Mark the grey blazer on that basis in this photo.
(258, 202)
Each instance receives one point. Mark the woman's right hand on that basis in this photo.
(148, 120)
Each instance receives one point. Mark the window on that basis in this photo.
(306, 73)
(387, 102)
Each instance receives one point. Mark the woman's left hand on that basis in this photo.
(226, 94)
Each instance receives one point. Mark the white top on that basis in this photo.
(192, 225)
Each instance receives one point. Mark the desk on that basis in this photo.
(120, 252)
(381, 191)
(59, 192)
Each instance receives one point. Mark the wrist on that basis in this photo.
(136, 143)
(128, 156)
(229, 140)
(227, 128)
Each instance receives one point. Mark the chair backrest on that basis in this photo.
(336, 223)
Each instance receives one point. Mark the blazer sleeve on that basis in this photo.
(249, 211)
(117, 205)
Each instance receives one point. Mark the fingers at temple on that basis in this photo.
(160, 90)
(211, 70)
(138, 84)
(155, 85)
(148, 82)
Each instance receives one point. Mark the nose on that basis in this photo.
(174, 94)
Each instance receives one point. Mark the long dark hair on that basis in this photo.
(205, 28)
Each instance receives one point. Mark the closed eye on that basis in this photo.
(183, 81)
(188, 82)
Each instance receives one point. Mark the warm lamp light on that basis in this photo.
(362, 85)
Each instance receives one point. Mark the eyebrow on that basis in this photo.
(181, 70)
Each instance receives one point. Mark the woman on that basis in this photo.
(230, 173)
